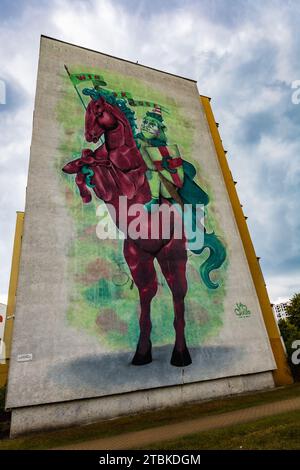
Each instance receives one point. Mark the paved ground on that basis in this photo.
(164, 433)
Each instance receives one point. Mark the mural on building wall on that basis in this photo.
(137, 144)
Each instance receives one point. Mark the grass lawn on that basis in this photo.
(150, 419)
(275, 432)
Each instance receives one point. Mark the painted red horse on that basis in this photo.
(116, 169)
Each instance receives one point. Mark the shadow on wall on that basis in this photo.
(114, 373)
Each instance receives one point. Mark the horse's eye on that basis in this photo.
(99, 113)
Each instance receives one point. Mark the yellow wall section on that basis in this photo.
(3, 374)
(14, 274)
(281, 375)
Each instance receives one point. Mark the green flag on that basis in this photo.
(97, 80)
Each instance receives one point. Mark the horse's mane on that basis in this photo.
(117, 106)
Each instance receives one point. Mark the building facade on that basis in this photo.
(108, 132)
(280, 311)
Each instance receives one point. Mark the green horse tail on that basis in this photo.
(215, 260)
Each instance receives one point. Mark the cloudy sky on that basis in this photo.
(244, 54)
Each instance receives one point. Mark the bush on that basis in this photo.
(2, 399)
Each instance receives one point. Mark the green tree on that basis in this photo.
(293, 311)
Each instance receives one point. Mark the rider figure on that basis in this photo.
(163, 162)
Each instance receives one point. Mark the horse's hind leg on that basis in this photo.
(144, 275)
(172, 260)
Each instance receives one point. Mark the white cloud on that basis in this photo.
(282, 288)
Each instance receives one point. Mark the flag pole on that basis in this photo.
(79, 95)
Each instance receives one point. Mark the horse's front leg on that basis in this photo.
(144, 275)
(83, 190)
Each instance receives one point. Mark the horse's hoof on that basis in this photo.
(181, 358)
(142, 359)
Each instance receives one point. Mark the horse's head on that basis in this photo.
(98, 119)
